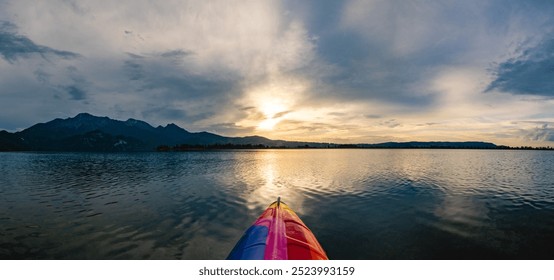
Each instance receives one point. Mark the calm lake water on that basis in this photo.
(361, 204)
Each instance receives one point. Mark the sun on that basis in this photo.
(273, 101)
(272, 110)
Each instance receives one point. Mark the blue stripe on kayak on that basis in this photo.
(251, 245)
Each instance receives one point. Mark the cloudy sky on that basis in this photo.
(339, 71)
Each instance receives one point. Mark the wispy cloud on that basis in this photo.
(14, 45)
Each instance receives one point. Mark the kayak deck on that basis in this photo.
(278, 234)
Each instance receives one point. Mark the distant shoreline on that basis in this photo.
(208, 149)
(188, 148)
(88, 133)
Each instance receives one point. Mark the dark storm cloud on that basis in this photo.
(74, 87)
(172, 78)
(394, 48)
(169, 112)
(14, 46)
(180, 96)
(530, 73)
(133, 69)
(75, 92)
(366, 66)
(165, 112)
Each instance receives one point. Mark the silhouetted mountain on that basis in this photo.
(11, 142)
(98, 141)
(76, 134)
(86, 132)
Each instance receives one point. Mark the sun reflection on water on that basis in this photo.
(277, 174)
(361, 204)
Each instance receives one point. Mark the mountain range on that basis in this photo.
(86, 132)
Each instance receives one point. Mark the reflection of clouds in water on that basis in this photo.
(478, 224)
(461, 216)
(361, 204)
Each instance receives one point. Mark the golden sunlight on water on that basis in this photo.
(361, 204)
(270, 167)
(300, 175)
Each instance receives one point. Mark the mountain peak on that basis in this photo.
(84, 115)
(87, 117)
(172, 125)
(82, 120)
(138, 123)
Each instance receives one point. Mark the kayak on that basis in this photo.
(278, 234)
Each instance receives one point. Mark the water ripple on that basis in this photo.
(362, 204)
